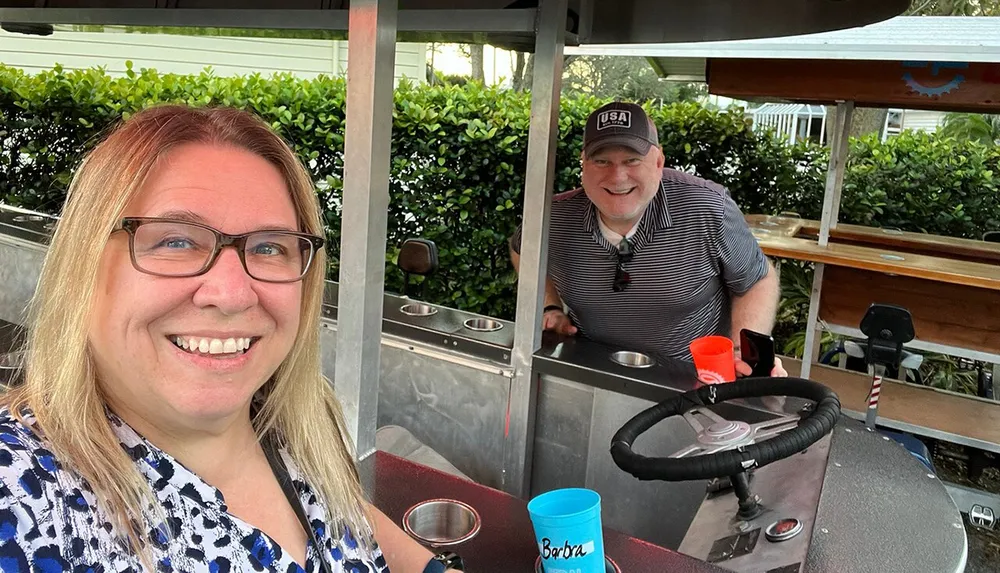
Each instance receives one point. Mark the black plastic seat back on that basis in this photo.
(888, 328)
(417, 257)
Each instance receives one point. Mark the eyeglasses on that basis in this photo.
(622, 277)
(171, 248)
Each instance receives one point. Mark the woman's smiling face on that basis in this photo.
(142, 323)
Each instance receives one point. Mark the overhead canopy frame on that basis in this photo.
(373, 27)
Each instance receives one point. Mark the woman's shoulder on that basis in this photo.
(27, 467)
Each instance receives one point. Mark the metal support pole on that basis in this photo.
(810, 351)
(840, 131)
(835, 174)
(538, 187)
(370, 59)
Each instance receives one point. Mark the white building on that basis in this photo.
(178, 54)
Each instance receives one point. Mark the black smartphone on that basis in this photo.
(757, 350)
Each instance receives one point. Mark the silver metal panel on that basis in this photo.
(538, 183)
(655, 511)
(912, 523)
(976, 503)
(562, 435)
(456, 410)
(789, 488)
(453, 404)
(587, 362)
(371, 52)
(20, 266)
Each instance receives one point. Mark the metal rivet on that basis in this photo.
(825, 530)
(886, 438)
(837, 464)
(848, 430)
(957, 525)
(932, 476)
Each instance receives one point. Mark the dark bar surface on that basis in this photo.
(506, 542)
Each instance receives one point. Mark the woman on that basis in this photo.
(173, 415)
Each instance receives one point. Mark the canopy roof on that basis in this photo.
(501, 22)
(904, 38)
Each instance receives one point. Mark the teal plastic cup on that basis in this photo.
(567, 525)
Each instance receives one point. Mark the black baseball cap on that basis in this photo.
(619, 123)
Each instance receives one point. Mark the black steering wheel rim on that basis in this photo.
(816, 424)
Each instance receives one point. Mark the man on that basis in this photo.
(647, 258)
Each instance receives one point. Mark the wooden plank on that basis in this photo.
(970, 417)
(923, 243)
(943, 313)
(972, 87)
(915, 265)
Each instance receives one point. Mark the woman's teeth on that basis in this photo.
(212, 345)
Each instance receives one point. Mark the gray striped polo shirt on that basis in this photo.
(692, 250)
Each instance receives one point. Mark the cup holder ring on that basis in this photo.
(418, 309)
(483, 324)
(28, 218)
(442, 522)
(632, 359)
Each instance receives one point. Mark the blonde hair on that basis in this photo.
(60, 385)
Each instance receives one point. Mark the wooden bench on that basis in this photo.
(919, 410)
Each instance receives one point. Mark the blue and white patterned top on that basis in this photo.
(50, 521)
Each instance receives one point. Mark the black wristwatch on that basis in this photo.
(444, 561)
(552, 307)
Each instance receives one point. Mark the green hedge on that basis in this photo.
(458, 161)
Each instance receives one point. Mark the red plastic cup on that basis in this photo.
(714, 359)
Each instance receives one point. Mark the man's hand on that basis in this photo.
(744, 369)
(558, 322)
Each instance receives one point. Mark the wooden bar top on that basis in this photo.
(921, 243)
(884, 260)
(970, 417)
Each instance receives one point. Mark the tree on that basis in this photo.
(980, 127)
(625, 78)
(475, 54)
(954, 8)
(865, 121)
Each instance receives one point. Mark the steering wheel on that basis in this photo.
(723, 447)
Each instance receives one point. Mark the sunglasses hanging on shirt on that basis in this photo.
(622, 277)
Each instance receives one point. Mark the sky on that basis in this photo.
(498, 63)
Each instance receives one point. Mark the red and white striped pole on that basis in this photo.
(877, 372)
